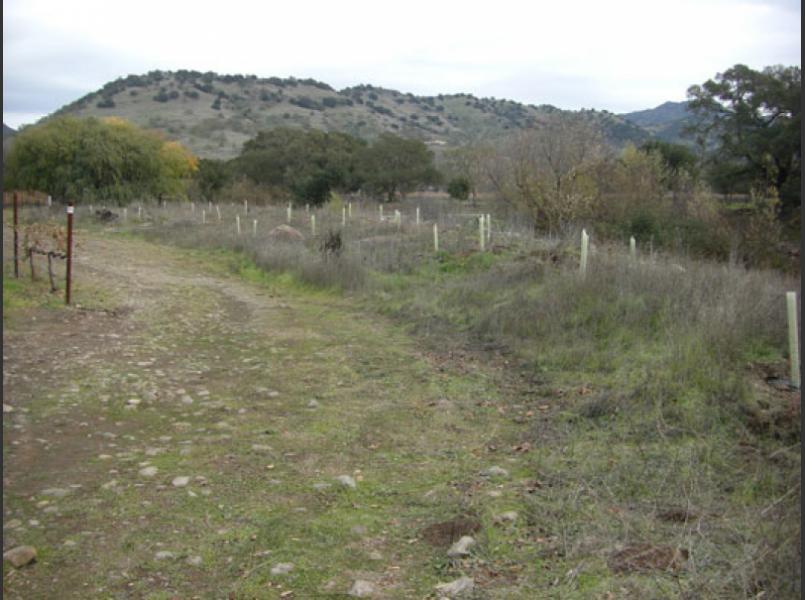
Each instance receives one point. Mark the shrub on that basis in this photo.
(459, 188)
(306, 102)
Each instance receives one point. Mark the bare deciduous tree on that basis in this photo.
(549, 169)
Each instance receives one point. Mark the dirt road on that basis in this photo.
(195, 434)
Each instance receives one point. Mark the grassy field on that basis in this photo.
(647, 445)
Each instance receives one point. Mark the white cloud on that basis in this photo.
(619, 55)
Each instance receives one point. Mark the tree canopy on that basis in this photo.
(307, 164)
(85, 159)
(754, 118)
(394, 164)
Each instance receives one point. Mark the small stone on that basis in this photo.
(375, 555)
(313, 404)
(261, 448)
(133, 401)
(20, 556)
(495, 471)
(187, 399)
(164, 555)
(506, 517)
(346, 481)
(461, 548)
(361, 589)
(69, 544)
(7, 408)
(282, 568)
(13, 524)
(194, 561)
(148, 471)
(56, 492)
(456, 587)
(180, 481)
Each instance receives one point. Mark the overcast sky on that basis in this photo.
(619, 55)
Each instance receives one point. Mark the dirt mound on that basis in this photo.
(447, 532)
(646, 557)
(285, 233)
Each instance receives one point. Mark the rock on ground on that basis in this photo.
(495, 471)
(346, 481)
(362, 589)
(509, 516)
(282, 568)
(148, 471)
(456, 588)
(20, 556)
(461, 547)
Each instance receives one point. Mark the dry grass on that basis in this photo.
(656, 429)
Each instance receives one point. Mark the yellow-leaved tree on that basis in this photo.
(94, 159)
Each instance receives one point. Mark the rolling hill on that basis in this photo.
(214, 114)
(666, 122)
(8, 136)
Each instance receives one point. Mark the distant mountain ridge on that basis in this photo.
(214, 115)
(666, 121)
